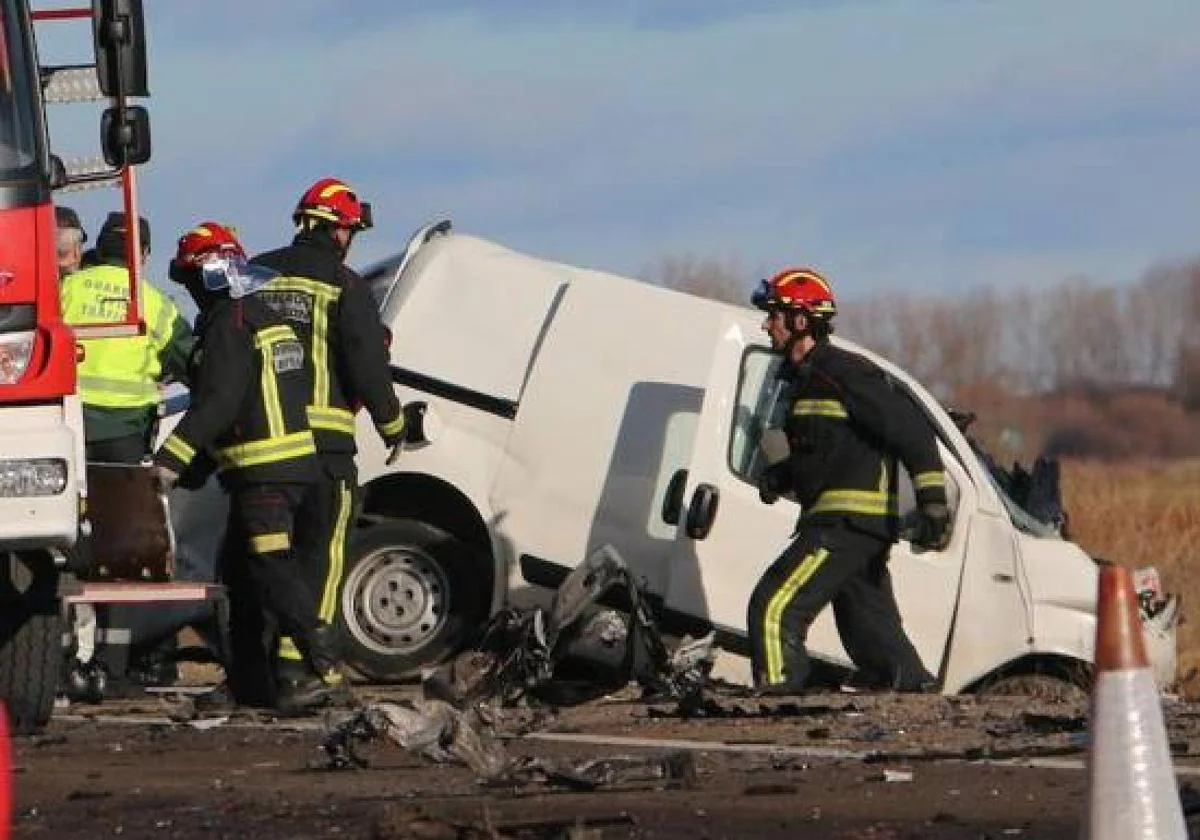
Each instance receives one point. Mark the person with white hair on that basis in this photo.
(70, 239)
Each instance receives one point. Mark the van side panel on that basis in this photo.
(608, 415)
(992, 625)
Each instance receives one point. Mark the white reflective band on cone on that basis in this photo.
(1132, 793)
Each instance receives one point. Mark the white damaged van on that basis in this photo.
(579, 408)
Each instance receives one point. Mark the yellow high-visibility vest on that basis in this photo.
(118, 372)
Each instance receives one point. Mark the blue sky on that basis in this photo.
(924, 145)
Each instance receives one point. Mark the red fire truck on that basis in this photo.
(42, 473)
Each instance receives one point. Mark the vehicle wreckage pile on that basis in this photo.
(572, 652)
(529, 664)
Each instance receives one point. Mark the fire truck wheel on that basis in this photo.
(412, 594)
(30, 660)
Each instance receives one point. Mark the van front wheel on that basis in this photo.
(411, 595)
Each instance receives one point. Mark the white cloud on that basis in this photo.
(865, 134)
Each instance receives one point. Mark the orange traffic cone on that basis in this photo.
(1132, 794)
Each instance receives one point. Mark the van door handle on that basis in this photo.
(672, 503)
(702, 511)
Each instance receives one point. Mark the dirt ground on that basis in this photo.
(822, 766)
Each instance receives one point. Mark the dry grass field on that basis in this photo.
(1142, 513)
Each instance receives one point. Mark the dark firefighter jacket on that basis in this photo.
(846, 425)
(332, 311)
(250, 389)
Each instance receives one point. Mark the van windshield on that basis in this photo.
(18, 105)
(1021, 518)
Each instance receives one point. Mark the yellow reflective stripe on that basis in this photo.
(393, 427)
(295, 445)
(820, 408)
(179, 447)
(331, 418)
(924, 480)
(869, 502)
(266, 341)
(315, 288)
(270, 335)
(772, 628)
(287, 650)
(337, 556)
(265, 543)
(320, 351)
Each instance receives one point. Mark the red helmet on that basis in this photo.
(332, 200)
(207, 238)
(796, 288)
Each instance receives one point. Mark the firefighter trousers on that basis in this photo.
(323, 524)
(267, 593)
(824, 564)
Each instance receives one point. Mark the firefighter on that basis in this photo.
(69, 239)
(846, 425)
(248, 416)
(119, 377)
(335, 316)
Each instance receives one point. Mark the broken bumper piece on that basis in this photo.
(1160, 620)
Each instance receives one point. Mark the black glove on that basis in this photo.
(931, 528)
(773, 483)
(198, 471)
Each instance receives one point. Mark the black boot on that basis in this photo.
(86, 681)
(321, 683)
(325, 656)
(301, 695)
(321, 648)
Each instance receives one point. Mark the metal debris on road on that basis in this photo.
(434, 729)
(443, 734)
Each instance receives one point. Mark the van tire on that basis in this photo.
(31, 646)
(1049, 680)
(410, 596)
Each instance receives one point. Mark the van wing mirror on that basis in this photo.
(125, 135)
(119, 30)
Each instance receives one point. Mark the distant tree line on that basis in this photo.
(1074, 336)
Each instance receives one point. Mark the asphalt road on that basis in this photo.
(826, 766)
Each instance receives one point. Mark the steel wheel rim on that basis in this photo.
(394, 601)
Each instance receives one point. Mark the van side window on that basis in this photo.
(757, 411)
